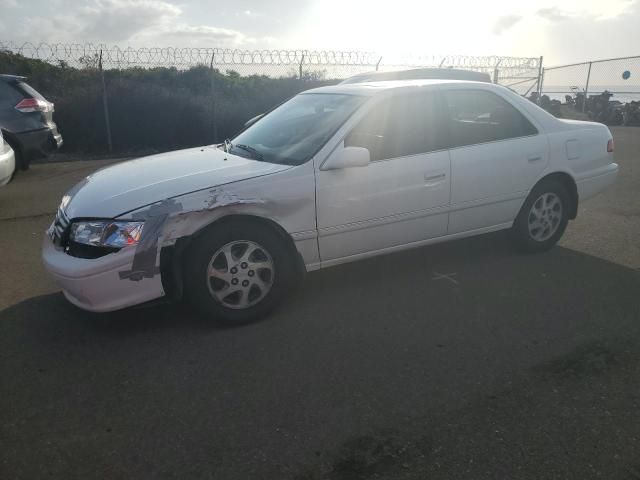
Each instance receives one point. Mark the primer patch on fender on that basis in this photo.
(222, 198)
(144, 260)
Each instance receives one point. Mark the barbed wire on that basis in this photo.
(75, 54)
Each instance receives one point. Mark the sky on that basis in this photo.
(563, 31)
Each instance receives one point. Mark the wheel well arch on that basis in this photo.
(572, 189)
(247, 218)
(172, 258)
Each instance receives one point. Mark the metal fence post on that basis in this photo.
(301, 63)
(378, 64)
(540, 73)
(214, 118)
(105, 104)
(586, 88)
(496, 72)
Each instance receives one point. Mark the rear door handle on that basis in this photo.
(534, 158)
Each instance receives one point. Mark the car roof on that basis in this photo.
(11, 78)
(420, 73)
(370, 89)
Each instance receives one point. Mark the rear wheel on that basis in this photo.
(543, 217)
(237, 273)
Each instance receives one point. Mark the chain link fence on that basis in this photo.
(619, 76)
(117, 99)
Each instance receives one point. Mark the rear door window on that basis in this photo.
(30, 91)
(10, 96)
(400, 126)
(479, 116)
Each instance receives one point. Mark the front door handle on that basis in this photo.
(534, 158)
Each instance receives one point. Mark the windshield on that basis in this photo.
(292, 133)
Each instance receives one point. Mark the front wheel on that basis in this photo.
(237, 273)
(543, 218)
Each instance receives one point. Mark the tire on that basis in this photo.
(209, 272)
(543, 218)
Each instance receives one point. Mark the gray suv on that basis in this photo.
(26, 121)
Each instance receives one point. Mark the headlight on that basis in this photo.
(106, 233)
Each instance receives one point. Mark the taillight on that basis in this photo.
(610, 146)
(27, 105)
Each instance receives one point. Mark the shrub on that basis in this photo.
(152, 109)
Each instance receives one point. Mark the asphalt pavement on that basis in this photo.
(462, 360)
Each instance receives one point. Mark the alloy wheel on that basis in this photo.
(240, 274)
(545, 216)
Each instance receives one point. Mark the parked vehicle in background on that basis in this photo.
(7, 161)
(26, 121)
(411, 74)
(419, 74)
(335, 174)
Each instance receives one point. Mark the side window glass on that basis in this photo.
(478, 116)
(398, 127)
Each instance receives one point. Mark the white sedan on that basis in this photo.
(335, 174)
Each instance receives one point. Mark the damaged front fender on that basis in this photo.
(286, 198)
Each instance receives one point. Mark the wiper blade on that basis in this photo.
(255, 153)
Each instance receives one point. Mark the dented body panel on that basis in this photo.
(282, 194)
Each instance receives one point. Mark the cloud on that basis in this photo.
(554, 14)
(505, 23)
(103, 20)
(207, 32)
(184, 35)
(116, 20)
(600, 11)
(141, 22)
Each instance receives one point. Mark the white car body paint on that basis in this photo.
(7, 162)
(130, 185)
(332, 216)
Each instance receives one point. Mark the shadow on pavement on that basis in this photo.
(457, 359)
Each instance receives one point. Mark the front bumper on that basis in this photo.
(7, 163)
(95, 284)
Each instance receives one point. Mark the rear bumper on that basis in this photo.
(39, 143)
(7, 163)
(95, 284)
(597, 182)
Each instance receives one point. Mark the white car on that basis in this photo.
(7, 161)
(335, 174)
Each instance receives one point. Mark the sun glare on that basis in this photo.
(455, 27)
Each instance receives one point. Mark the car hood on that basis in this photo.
(130, 185)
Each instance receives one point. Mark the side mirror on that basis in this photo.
(348, 157)
(253, 120)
